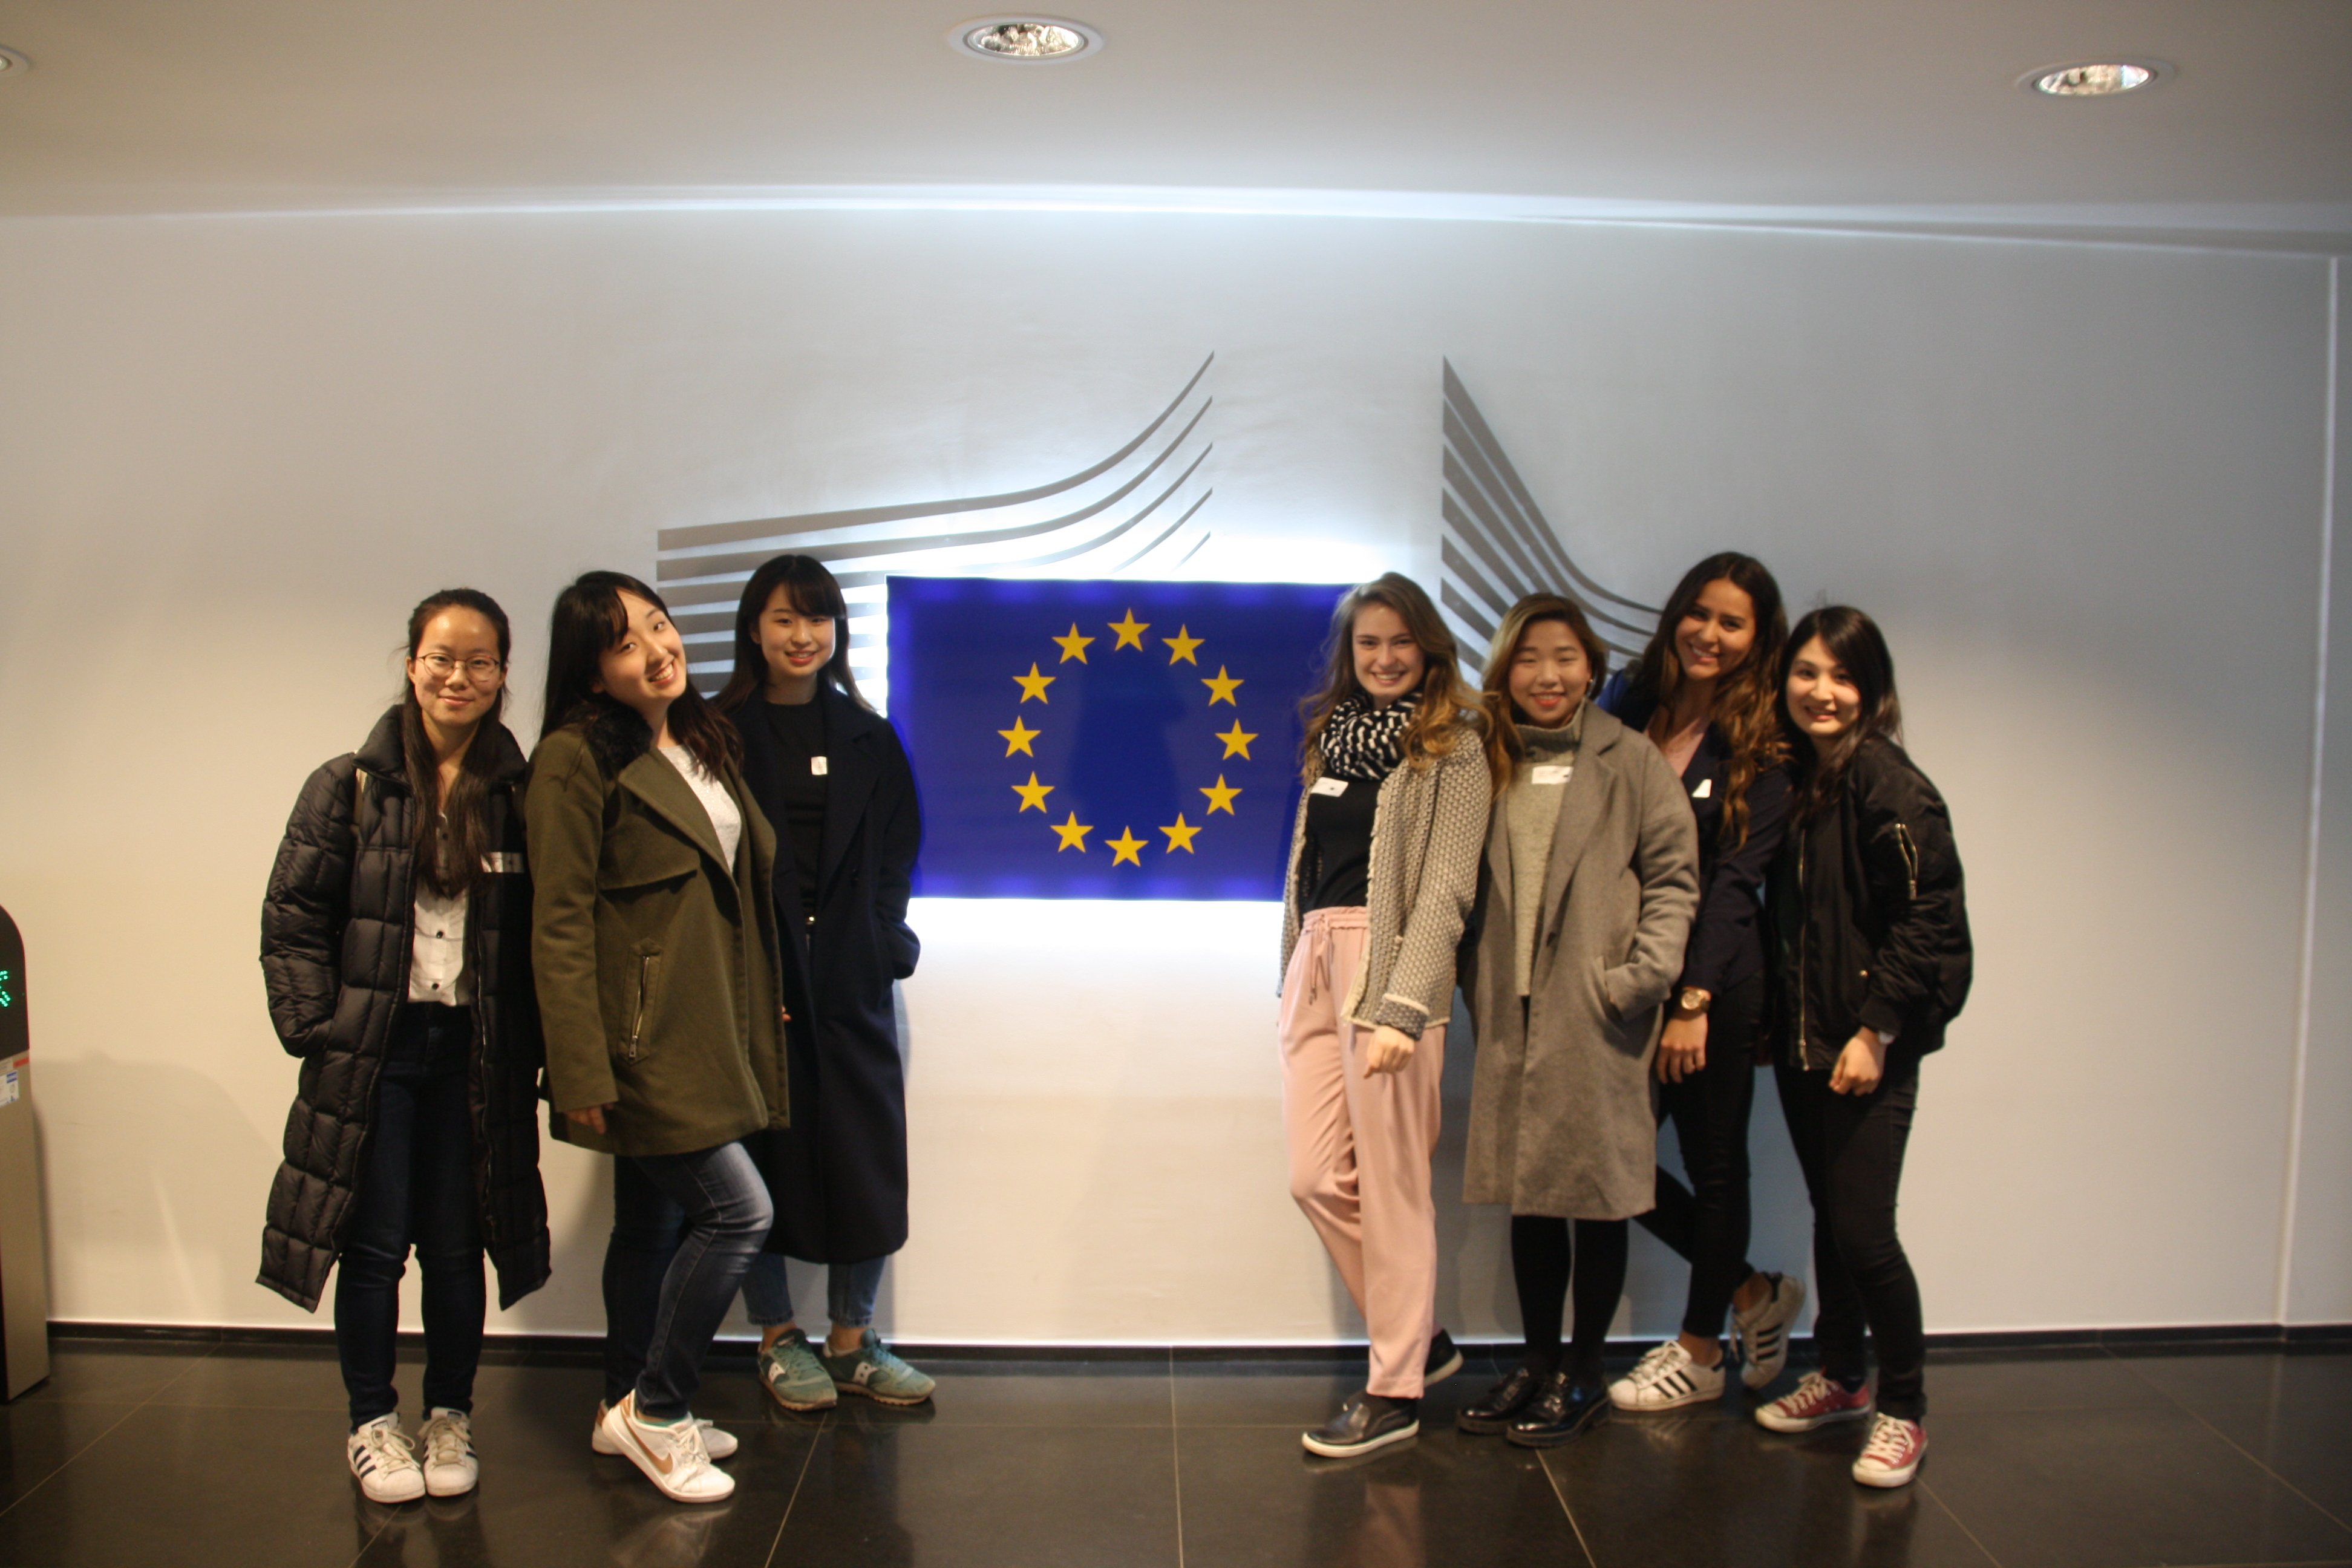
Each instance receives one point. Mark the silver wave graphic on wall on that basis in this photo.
(1494, 544)
(1131, 511)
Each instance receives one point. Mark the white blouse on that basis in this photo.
(726, 817)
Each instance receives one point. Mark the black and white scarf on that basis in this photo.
(1361, 741)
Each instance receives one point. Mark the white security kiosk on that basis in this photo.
(23, 1269)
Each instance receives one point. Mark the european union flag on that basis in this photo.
(1104, 739)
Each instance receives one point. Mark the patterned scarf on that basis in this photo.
(1364, 742)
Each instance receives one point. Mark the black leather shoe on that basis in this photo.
(1443, 1361)
(1493, 1410)
(1365, 1424)
(1566, 1409)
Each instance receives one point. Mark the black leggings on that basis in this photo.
(1852, 1150)
(1541, 1263)
(1708, 1222)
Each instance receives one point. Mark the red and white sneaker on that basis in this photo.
(1815, 1402)
(1892, 1456)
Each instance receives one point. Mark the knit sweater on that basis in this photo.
(1534, 815)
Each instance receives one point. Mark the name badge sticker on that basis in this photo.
(1328, 785)
(817, 766)
(1706, 788)
(1549, 774)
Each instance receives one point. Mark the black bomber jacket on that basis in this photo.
(1869, 918)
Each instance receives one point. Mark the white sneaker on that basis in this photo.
(1667, 1379)
(384, 1463)
(719, 1443)
(1762, 1335)
(447, 1439)
(1892, 1456)
(672, 1457)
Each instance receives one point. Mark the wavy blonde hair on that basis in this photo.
(1451, 711)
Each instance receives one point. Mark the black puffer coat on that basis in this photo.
(335, 954)
(1870, 916)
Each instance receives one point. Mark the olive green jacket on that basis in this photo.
(658, 995)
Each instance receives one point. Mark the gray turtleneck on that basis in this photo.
(1532, 816)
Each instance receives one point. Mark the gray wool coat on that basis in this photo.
(1560, 1111)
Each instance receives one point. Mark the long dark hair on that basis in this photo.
(1450, 707)
(589, 622)
(452, 859)
(1855, 642)
(814, 592)
(1746, 701)
(1535, 607)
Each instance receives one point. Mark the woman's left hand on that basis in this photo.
(1682, 1049)
(1860, 1064)
(1390, 1049)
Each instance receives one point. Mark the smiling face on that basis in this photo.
(1822, 697)
(645, 669)
(1389, 663)
(1549, 674)
(1716, 633)
(796, 647)
(456, 669)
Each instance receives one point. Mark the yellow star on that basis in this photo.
(1127, 850)
(1222, 687)
(1180, 836)
(1131, 633)
(1033, 793)
(1033, 684)
(1221, 798)
(1072, 647)
(1183, 643)
(1236, 740)
(1017, 738)
(1073, 833)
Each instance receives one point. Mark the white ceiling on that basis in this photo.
(1900, 110)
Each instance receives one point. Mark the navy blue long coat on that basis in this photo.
(838, 1175)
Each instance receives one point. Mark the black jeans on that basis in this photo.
(685, 1228)
(1708, 1222)
(1852, 1152)
(416, 1187)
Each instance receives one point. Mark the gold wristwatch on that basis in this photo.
(1693, 1000)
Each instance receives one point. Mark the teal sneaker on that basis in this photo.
(871, 1369)
(794, 1377)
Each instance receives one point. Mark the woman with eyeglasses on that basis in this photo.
(655, 947)
(396, 945)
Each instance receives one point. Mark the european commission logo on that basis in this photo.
(1104, 739)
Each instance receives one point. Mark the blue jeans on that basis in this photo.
(416, 1187)
(849, 1289)
(685, 1228)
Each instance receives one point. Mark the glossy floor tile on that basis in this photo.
(143, 1453)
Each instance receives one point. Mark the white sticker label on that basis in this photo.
(1706, 788)
(8, 1087)
(1329, 787)
(1550, 773)
(817, 766)
(502, 863)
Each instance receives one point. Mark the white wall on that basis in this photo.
(2081, 485)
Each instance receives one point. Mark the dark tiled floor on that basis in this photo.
(137, 1454)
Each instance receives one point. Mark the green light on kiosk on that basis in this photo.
(7, 997)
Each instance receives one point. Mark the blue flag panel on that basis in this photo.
(1104, 739)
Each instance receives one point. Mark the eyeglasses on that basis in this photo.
(481, 671)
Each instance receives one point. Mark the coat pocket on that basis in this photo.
(645, 999)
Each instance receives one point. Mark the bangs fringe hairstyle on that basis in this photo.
(453, 860)
(1528, 612)
(1855, 642)
(1746, 701)
(1449, 708)
(588, 622)
(814, 592)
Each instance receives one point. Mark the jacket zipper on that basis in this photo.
(644, 987)
(1804, 923)
(1910, 858)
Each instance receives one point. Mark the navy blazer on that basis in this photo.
(1727, 939)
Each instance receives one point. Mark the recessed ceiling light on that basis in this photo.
(13, 65)
(2094, 78)
(1026, 40)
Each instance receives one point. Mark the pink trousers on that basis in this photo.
(1359, 1149)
